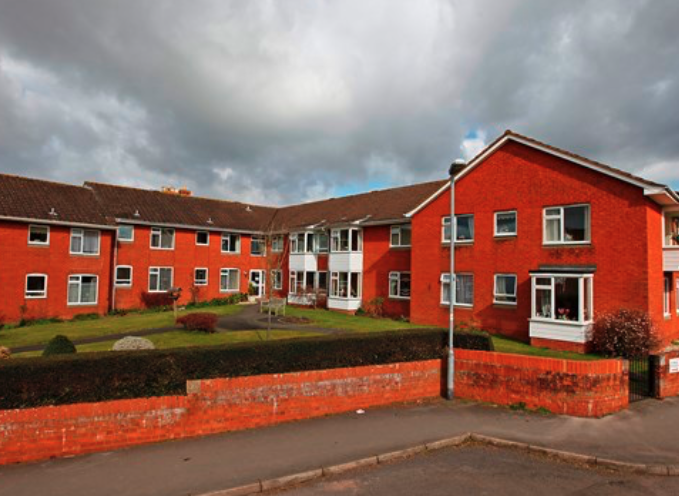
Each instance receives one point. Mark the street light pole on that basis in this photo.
(450, 382)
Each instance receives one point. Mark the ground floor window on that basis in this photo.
(505, 289)
(563, 297)
(82, 289)
(229, 280)
(464, 289)
(124, 275)
(200, 277)
(36, 286)
(345, 285)
(160, 279)
(302, 282)
(399, 284)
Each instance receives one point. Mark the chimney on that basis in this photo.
(171, 190)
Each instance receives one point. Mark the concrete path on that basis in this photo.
(647, 433)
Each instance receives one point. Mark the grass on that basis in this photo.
(506, 345)
(336, 320)
(182, 339)
(41, 334)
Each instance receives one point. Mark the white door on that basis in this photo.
(258, 281)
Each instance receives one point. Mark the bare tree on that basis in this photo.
(275, 260)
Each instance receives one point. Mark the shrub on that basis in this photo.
(5, 353)
(625, 333)
(89, 377)
(374, 307)
(59, 345)
(156, 300)
(199, 321)
(133, 343)
(218, 302)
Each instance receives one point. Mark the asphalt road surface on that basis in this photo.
(476, 470)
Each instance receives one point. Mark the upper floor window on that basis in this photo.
(277, 243)
(309, 242)
(464, 229)
(202, 238)
(123, 275)
(347, 240)
(399, 284)
(230, 243)
(672, 229)
(38, 235)
(160, 279)
(200, 277)
(505, 289)
(162, 238)
(400, 235)
(506, 223)
(567, 225)
(84, 242)
(322, 242)
(82, 289)
(257, 246)
(126, 233)
(36, 286)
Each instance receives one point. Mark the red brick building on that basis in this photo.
(544, 240)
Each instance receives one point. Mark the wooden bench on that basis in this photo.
(275, 305)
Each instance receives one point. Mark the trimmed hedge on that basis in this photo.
(199, 321)
(59, 345)
(106, 376)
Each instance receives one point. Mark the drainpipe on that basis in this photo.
(450, 382)
(112, 304)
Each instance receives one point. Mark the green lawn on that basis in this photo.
(182, 339)
(506, 345)
(42, 333)
(336, 320)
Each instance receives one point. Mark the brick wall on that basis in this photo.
(585, 389)
(667, 384)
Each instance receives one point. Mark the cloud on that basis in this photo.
(281, 102)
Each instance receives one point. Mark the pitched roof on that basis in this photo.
(24, 198)
(374, 206)
(155, 207)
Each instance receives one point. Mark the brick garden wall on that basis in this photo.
(667, 383)
(585, 389)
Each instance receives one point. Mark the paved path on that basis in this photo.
(647, 433)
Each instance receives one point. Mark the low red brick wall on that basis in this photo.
(667, 380)
(576, 388)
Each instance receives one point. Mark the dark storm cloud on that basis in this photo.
(280, 102)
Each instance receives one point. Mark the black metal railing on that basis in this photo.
(642, 378)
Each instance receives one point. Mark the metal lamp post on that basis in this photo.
(450, 382)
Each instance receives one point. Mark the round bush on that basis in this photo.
(199, 321)
(59, 345)
(5, 353)
(625, 333)
(133, 343)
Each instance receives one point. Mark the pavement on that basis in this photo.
(646, 433)
(485, 470)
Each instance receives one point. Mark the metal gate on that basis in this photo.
(642, 378)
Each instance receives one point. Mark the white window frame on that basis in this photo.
(515, 295)
(78, 232)
(667, 296)
(117, 282)
(335, 276)
(676, 295)
(277, 279)
(453, 231)
(231, 236)
(81, 304)
(562, 218)
(208, 238)
(516, 224)
(38, 243)
(317, 242)
(229, 271)
(262, 243)
(37, 296)
(159, 231)
(583, 279)
(398, 232)
(204, 282)
(277, 244)
(446, 279)
(126, 240)
(158, 269)
(396, 276)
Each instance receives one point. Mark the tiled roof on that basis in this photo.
(374, 206)
(148, 206)
(25, 198)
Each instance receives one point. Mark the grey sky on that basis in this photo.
(282, 102)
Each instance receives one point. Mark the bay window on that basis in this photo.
(322, 242)
(567, 225)
(84, 242)
(230, 243)
(82, 289)
(162, 238)
(399, 285)
(400, 236)
(672, 229)
(160, 279)
(505, 289)
(345, 285)
(464, 289)
(347, 240)
(464, 229)
(229, 280)
(563, 298)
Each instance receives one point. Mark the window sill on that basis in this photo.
(505, 306)
(229, 290)
(36, 297)
(201, 285)
(458, 244)
(567, 245)
(230, 253)
(161, 249)
(570, 323)
(82, 304)
(90, 255)
(123, 286)
(508, 237)
(460, 307)
(400, 247)
(39, 245)
(399, 298)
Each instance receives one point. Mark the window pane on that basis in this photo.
(395, 236)
(123, 274)
(567, 298)
(76, 242)
(233, 280)
(553, 230)
(672, 229)
(405, 285)
(446, 229)
(73, 290)
(153, 280)
(344, 240)
(125, 233)
(464, 289)
(543, 303)
(322, 242)
(506, 223)
(393, 285)
(155, 238)
(165, 279)
(405, 235)
(343, 285)
(167, 238)
(36, 286)
(355, 240)
(202, 238)
(38, 234)
(355, 285)
(576, 223)
(91, 242)
(445, 291)
(505, 289)
(465, 228)
(88, 289)
(588, 316)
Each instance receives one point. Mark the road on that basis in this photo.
(477, 470)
